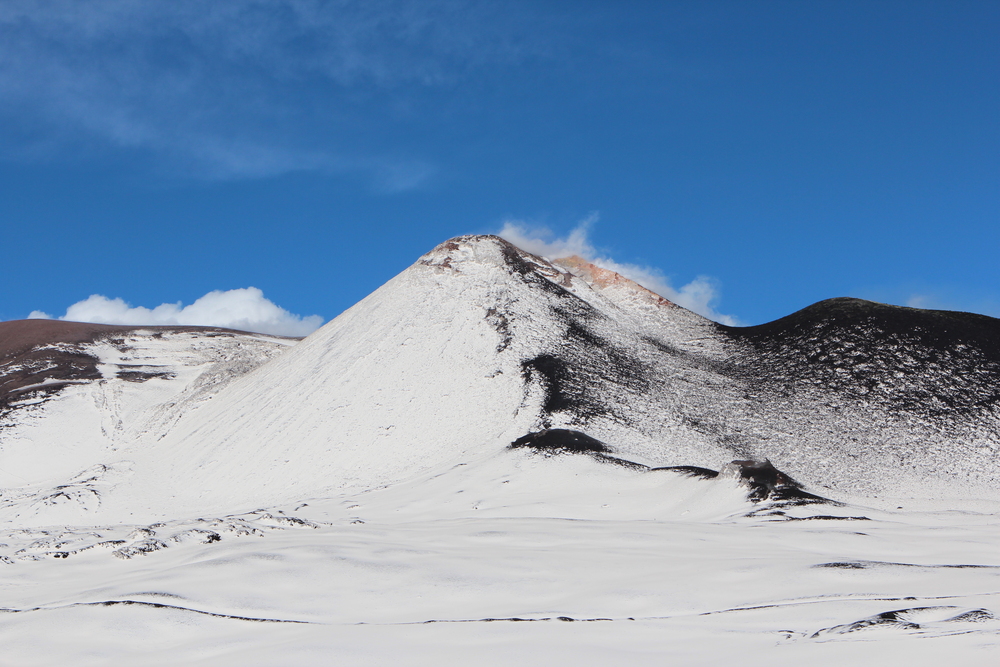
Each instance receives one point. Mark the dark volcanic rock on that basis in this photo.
(767, 482)
(761, 478)
(832, 393)
(560, 439)
(929, 362)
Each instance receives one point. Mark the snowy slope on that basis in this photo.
(501, 459)
(68, 406)
(457, 356)
(479, 343)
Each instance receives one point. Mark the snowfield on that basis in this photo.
(179, 496)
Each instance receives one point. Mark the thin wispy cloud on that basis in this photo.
(922, 301)
(236, 89)
(245, 309)
(699, 295)
(985, 305)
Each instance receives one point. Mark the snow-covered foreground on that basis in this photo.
(519, 574)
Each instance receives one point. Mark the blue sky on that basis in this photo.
(773, 153)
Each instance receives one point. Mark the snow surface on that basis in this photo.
(487, 562)
(351, 499)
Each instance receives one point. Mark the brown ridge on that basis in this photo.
(26, 360)
(20, 336)
(602, 278)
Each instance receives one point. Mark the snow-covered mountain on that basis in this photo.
(74, 395)
(488, 389)
(478, 344)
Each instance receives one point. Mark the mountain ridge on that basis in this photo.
(479, 343)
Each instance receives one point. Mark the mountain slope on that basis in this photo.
(500, 457)
(73, 394)
(478, 344)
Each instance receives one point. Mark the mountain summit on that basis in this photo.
(479, 344)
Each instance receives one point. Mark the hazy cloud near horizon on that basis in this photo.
(700, 295)
(246, 309)
(982, 304)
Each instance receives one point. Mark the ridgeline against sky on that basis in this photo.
(748, 159)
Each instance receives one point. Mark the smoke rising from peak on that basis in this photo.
(699, 295)
(246, 309)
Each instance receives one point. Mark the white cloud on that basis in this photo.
(245, 309)
(699, 295)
